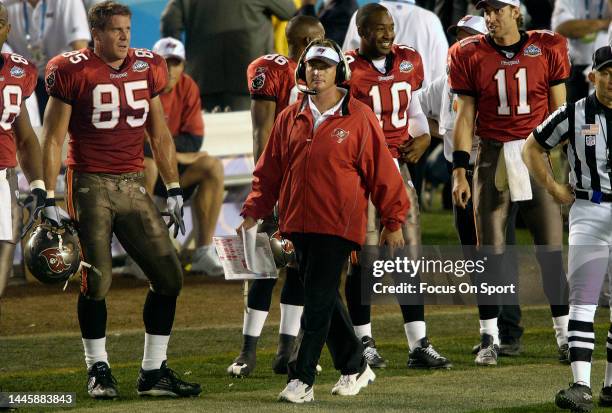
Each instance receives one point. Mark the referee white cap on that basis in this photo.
(323, 53)
(471, 24)
(602, 58)
(498, 4)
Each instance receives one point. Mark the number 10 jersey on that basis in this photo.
(109, 106)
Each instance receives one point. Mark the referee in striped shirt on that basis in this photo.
(586, 125)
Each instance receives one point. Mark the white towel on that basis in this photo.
(516, 171)
(6, 221)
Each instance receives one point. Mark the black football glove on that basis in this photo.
(34, 204)
(174, 203)
(53, 214)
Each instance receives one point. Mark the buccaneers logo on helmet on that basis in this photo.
(54, 259)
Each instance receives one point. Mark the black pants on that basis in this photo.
(509, 318)
(321, 259)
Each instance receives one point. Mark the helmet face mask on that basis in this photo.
(53, 254)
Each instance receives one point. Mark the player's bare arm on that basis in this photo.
(262, 117)
(556, 97)
(28, 147)
(582, 27)
(533, 156)
(55, 128)
(162, 143)
(462, 141)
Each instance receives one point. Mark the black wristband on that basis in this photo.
(49, 202)
(461, 159)
(175, 192)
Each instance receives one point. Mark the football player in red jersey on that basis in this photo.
(385, 76)
(507, 82)
(17, 82)
(105, 98)
(271, 81)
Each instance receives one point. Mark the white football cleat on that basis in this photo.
(296, 392)
(239, 370)
(351, 384)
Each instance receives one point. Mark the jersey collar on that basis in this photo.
(509, 52)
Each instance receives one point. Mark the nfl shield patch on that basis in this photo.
(590, 140)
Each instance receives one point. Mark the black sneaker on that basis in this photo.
(577, 398)
(487, 354)
(165, 382)
(564, 356)
(605, 396)
(370, 353)
(510, 348)
(426, 357)
(101, 384)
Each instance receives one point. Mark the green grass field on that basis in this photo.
(41, 351)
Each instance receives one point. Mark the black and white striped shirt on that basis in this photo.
(587, 125)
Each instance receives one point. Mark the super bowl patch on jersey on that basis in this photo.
(17, 72)
(532, 51)
(406, 66)
(140, 66)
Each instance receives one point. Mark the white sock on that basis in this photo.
(290, 319)
(253, 322)
(363, 330)
(582, 372)
(608, 377)
(95, 351)
(560, 326)
(155, 348)
(415, 331)
(490, 327)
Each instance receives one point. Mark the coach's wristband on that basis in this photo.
(461, 159)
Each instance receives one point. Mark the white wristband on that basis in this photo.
(50, 193)
(37, 184)
(173, 185)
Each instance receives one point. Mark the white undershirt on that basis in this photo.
(320, 117)
(380, 64)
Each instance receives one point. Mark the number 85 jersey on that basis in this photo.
(109, 106)
(388, 94)
(17, 82)
(511, 89)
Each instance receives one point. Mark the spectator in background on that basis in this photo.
(90, 3)
(582, 22)
(222, 38)
(41, 29)
(334, 15)
(279, 27)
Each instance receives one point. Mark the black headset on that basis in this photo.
(343, 71)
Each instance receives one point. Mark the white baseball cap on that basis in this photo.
(498, 4)
(169, 47)
(471, 24)
(324, 53)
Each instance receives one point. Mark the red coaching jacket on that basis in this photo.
(322, 181)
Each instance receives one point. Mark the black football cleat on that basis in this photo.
(605, 396)
(165, 382)
(577, 398)
(425, 356)
(371, 355)
(283, 353)
(101, 384)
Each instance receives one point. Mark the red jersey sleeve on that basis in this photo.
(419, 73)
(382, 176)
(158, 75)
(460, 72)
(31, 76)
(557, 54)
(262, 77)
(60, 81)
(192, 120)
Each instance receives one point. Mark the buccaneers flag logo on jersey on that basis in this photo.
(54, 259)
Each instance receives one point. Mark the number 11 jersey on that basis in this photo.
(511, 89)
(109, 106)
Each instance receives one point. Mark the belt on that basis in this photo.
(585, 196)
